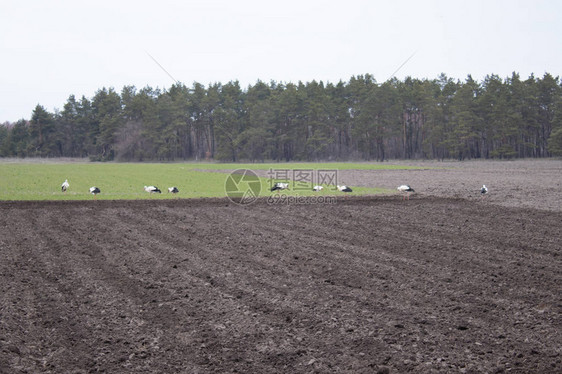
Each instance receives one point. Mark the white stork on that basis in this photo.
(94, 191)
(407, 189)
(152, 189)
(279, 186)
(344, 189)
(483, 190)
(173, 190)
(64, 186)
(317, 188)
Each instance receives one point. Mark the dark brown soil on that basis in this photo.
(430, 285)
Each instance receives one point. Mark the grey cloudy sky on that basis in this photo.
(52, 49)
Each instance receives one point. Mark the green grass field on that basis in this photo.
(41, 181)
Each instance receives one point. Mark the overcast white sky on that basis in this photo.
(52, 49)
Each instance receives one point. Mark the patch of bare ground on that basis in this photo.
(366, 285)
(519, 183)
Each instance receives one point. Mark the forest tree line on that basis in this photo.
(360, 119)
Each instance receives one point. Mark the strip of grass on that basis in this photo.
(42, 181)
(302, 165)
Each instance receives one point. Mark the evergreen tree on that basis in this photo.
(42, 131)
(107, 120)
(5, 141)
(466, 122)
(228, 121)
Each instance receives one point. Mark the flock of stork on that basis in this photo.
(283, 186)
(405, 189)
(95, 190)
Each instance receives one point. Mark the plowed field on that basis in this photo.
(430, 285)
